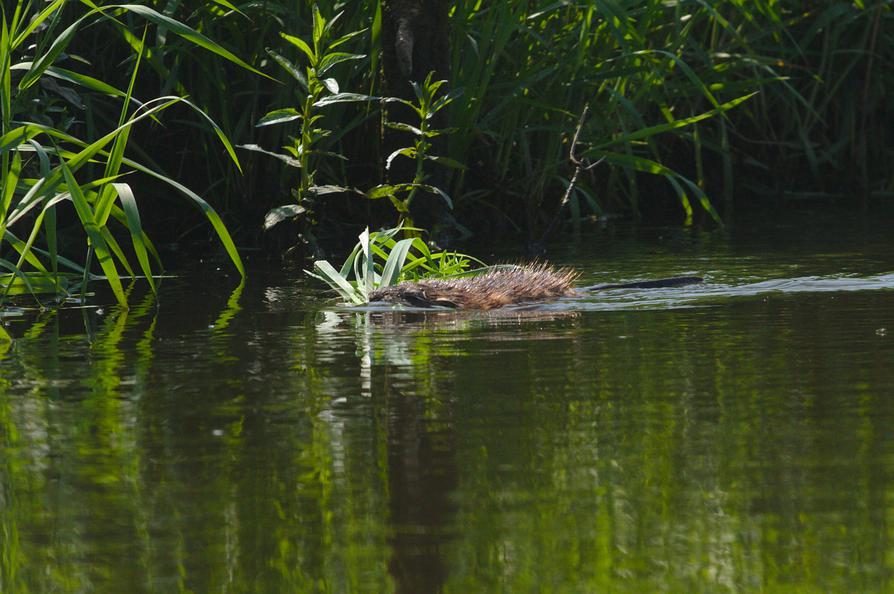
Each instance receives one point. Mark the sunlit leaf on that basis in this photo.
(343, 98)
(288, 160)
(281, 213)
(129, 205)
(278, 116)
(302, 45)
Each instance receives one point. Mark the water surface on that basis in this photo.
(730, 437)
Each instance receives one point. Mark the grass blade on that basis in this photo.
(129, 204)
(96, 237)
(395, 262)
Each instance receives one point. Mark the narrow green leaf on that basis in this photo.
(346, 38)
(344, 98)
(446, 161)
(319, 27)
(676, 124)
(290, 161)
(438, 191)
(409, 152)
(395, 262)
(635, 163)
(187, 33)
(116, 250)
(131, 211)
(375, 46)
(24, 249)
(381, 191)
(330, 60)
(278, 116)
(9, 185)
(287, 65)
(88, 82)
(96, 238)
(349, 262)
(49, 229)
(230, 5)
(336, 281)
(330, 189)
(404, 128)
(302, 45)
(209, 212)
(36, 22)
(684, 198)
(46, 60)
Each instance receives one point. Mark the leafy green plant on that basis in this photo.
(40, 162)
(426, 108)
(317, 90)
(378, 260)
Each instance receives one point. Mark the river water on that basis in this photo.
(734, 436)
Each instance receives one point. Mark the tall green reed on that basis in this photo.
(528, 69)
(42, 154)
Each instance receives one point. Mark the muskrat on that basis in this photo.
(504, 286)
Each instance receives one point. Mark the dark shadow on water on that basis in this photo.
(422, 475)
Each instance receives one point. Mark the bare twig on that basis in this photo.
(579, 165)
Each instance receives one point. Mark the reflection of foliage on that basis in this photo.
(706, 450)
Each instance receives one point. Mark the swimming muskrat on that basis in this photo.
(504, 286)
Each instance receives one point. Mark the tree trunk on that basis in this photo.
(415, 42)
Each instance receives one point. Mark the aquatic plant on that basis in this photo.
(43, 152)
(378, 260)
(426, 108)
(316, 90)
(819, 124)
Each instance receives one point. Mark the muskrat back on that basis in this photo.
(496, 288)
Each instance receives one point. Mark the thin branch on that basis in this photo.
(579, 166)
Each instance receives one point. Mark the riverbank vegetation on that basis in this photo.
(694, 111)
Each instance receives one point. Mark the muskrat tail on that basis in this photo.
(661, 283)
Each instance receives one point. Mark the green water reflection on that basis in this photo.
(257, 440)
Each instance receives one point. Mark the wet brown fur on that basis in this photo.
(497, 288)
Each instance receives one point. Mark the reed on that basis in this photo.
(46, 161)
(665, 83)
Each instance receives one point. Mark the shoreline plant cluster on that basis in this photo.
(694, 109)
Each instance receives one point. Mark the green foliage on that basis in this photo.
(316, 90)
(661, 78)
(529, 68)
(42, 152)
(426, 108)
(378, 260)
